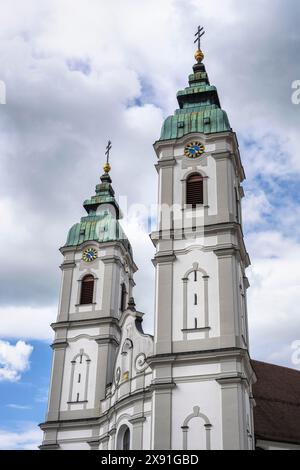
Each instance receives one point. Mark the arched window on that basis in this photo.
(194, 190)
(87, 290)
(126, 440)
(123, 298)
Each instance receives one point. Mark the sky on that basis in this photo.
(78, 73)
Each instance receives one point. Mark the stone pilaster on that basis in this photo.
(137, 432)
(59, 351)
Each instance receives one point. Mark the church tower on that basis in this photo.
(97, 282)
(189, 387)
(202, 375)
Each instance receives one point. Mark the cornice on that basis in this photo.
(67, 265)
(213, 229)
(166, 163)
(59, 344)
(107, 339)
(197, 355)
(138, 419)
(164, 258)
(163, 385)
(88, 322)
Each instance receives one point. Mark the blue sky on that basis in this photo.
(24, 402)
(72, 83)
(27, 398)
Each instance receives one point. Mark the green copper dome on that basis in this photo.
(102, 222)
(199, 109)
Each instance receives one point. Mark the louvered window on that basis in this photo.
(87, 290)
(194, 190)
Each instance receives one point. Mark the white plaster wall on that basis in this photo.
(196, 370)
(90, 348)
(195, 243)
(147, 433)
(206, 395)
(76, 333)
(75, 446)
(208, 262)
(75, 434)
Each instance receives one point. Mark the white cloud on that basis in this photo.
(255, 207)
(14, 359)
(144, 252)
(15, 406)
(28, 437)
(27, 322)
(274, 296)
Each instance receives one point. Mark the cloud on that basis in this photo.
(68, 92)
(19, 407)
(27, 322)
(25, 437)
(14, 359)
(255, 207)
(274, 296)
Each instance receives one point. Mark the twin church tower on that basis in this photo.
(190, 386)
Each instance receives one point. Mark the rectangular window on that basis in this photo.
(194, 190)
(87, 290)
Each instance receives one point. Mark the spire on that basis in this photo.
(103, 213)
(199, 104)
(106, 167)
(104, 191)
(199, 56)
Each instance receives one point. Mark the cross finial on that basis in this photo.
(199, 56)
(108, 149)
(107, 167)
(200, 32)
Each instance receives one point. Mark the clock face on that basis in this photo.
(89, 255)
(194, 150)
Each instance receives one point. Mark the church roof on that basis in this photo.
(199, 109)
(277, 397)
(102, 222)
